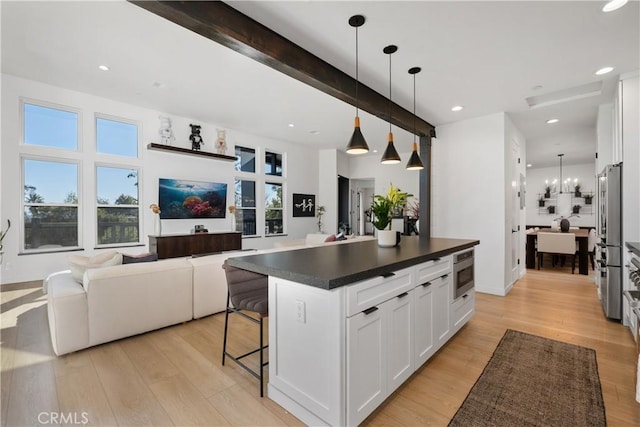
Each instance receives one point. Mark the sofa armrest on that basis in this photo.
(67, 312)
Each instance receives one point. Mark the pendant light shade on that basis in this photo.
(414, 161)
(390, 155)
(357, 143)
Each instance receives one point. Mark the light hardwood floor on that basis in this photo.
(173, 376)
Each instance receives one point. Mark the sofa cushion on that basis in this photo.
(78, 264)
(132, 259)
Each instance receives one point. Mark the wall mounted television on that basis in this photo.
(181, 199)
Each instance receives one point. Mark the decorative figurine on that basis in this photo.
(221, 143)
(195, 138)
(165, 131)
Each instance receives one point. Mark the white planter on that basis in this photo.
(387, 238)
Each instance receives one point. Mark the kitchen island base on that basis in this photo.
(336, 355)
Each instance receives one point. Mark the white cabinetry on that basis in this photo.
(423, 326)
(379, 341)
(462, 309)
(442, 310)
(354, 345)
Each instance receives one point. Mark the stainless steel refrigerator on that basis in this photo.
(609, 230)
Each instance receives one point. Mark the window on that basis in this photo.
(273, 164)
(49, 127)
(245, 201)
(245, 159)
(116, 137)
(118, 211)
(273, 208)
(50, 205)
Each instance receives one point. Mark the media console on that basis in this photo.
(181, 245)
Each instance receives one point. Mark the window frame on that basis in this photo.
(96, 205)
(254, 208)
(281, 209)
(45, 104)
(282, 164)
(23, 205)
(139, 145)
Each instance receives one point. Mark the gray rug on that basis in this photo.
(535, 381)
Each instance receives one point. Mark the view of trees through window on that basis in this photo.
(117, 214)
(50, 206)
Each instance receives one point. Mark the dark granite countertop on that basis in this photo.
(634, 247)
(333, 266)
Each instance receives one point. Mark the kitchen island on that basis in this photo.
(349, 323)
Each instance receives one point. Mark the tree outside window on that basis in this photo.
(118, 210)
(50, 206)
(273, 208)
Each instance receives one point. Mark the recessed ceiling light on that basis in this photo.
(457, 108)
(552, 121)
(314, 132)
(291, 125)
(529, 165)
(375, 151)
(604, 70)
(613, 5)
(103, 67)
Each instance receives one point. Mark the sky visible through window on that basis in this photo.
(55, 180)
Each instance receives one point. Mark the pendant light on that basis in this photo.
(414, 161)
(390, 155)
(357, 144)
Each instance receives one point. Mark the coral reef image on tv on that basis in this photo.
(180, 199)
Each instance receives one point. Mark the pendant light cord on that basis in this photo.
(414, 108)
(390, 102)
(356, 71)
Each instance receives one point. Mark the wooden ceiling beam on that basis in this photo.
(225, 25)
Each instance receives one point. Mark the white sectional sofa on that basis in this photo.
(123, 300)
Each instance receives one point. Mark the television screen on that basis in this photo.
(180, 199)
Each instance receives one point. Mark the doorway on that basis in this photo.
(362, 191)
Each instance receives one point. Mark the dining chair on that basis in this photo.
(556, 244)
(591, 247)
(247, 292)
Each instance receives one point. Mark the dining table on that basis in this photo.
(582, 237)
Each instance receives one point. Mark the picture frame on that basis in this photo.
(304, 205)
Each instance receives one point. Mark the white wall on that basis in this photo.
(586, 174)
(301, 170)
(631, 158)
(369, 167)
(469, 200)
(604, 131)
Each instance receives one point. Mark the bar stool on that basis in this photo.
(247, 291)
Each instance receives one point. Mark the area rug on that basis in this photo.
(535, 381)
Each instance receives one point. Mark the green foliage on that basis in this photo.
(383, 207)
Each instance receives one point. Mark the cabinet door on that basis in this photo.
(366, 362)
(399, 319)
(442, 309)
(423, 323)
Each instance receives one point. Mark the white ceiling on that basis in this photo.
(486, 56)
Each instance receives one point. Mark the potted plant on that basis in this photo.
(576, 189)
(541, 202)
(551, 209)
(588, 198)
(576, 209)
(382, 209)
(547, 191)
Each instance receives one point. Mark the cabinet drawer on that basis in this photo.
(368, 293)
(432, 269)
(462, 309)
